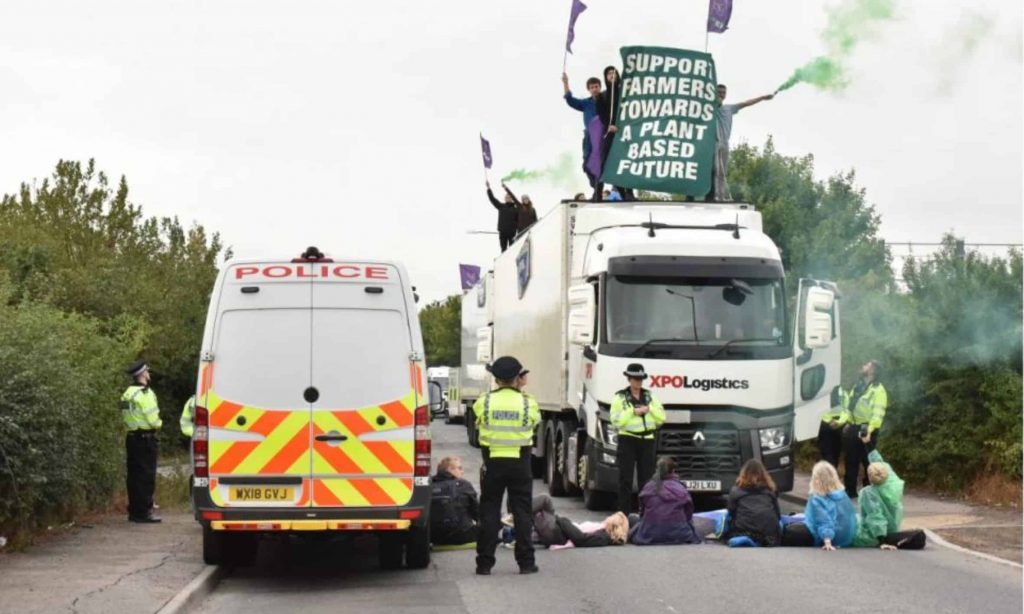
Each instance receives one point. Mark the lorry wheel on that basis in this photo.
(389, 550)
(593, 500)
(565, 429)
(213, 546)
(556, 485)
(417, 547)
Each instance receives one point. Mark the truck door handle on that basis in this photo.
(331, 437)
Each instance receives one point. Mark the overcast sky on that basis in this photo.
(353, 125)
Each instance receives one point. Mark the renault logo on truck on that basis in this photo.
(683, 381)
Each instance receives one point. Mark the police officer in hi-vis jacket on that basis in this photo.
(506, 419)
(636, 416)
(141, 414)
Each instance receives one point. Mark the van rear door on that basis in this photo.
(260, 432)
(363, 432)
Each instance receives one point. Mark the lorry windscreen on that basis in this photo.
(694, 317)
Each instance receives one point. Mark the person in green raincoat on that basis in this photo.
(881, 511)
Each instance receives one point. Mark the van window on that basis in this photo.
(261, 357)
(360, 357)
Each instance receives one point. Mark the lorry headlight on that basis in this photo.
(774, 438)
(611, 436)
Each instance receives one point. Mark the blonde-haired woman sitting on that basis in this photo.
(830, 516)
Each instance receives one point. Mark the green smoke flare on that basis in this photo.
(561, 174)
(848, 24)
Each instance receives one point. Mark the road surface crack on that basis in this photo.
(163, 561)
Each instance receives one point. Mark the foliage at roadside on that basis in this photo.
(440, 322)
(88, 283)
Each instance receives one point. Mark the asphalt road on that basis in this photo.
(342, 576)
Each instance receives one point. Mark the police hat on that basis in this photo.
(506, 368)
(137, 368)
(635, 369)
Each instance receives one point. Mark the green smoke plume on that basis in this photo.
(848, 24)
(562, 174)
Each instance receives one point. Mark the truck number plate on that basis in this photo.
(260, 493)
(698, 485)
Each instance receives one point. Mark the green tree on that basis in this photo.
(441, 324)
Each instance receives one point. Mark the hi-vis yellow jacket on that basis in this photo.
(140, 410)
(627, 422)
(506, 419)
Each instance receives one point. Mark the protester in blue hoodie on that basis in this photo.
(830, 515)
(593, 127)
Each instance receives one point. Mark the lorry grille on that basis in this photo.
(689, 464)
(719, 452)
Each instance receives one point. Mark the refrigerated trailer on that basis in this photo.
(696, 292)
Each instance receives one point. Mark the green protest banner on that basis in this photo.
(665, 137)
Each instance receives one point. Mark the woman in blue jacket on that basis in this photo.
(830, 515)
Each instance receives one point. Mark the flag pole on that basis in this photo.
(565, 60)
(707, 29)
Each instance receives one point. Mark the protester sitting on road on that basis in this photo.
(666, 510)
(753, 506)
(830, 516)
(555, 530)
(526, 215)
(454, 508)
(508, 215)
(881, 511)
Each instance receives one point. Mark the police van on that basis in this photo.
(311, 408)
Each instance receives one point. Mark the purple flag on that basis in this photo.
(470, 275)
(719, 13)
(485, 148)
(595, 134)
(577, 8)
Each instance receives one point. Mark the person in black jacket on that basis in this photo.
(753, 506)
(526, 215)
(555, 530)
(608, 110)
(508, 216)
(454, 508)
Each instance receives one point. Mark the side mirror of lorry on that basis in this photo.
(437, 406)
(582, 310)
(817, 316)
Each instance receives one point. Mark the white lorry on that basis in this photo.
(447, 391)
(693, 291)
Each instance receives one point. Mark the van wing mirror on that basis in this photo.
(817, 316)
(582, 308)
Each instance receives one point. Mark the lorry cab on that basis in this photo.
(312, 410)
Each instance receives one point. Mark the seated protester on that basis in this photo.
(830, 517)
(555, 530)
(881, 510)
(753, 506)
(666, 510)
(454, 508)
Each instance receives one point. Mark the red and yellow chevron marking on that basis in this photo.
(284, 449)
(361, 492)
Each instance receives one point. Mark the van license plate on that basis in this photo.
(249, 494)
(705, 485)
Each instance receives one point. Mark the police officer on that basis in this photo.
(141, 415)
(830, 431)
(636, 416)
(864, 410)
(506, 419)
(186, 420)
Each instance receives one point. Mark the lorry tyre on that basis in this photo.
(556, 484)
(417, 547)
(565, 430)
(213, 546)
(389, 550)
(593, 500)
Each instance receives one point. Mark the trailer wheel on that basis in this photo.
(417, 547)
(565, 429)
(556, 484)
(213, 546)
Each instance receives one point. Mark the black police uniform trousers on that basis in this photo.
(830, 443)
(141, 455)
(856, 453)
(634, 454)
(500, 475)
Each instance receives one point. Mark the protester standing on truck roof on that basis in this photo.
(723, 117)
(506, 419)
(454, 508)
(526, 215)
(864, 410)
(141, 414)
(508, 217)
(636, 415)
(608, 110)
(593, 127)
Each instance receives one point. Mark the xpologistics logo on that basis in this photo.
(683, 381)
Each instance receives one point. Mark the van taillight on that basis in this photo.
(422, 422)
(200, 443)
